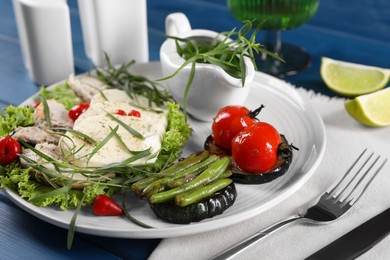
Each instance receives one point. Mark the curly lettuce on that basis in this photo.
(62, 94)
(177, 134)
(14, 117)
(22, 181)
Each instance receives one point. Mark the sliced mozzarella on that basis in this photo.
(112, 95)
(111, 100)
(98, 127)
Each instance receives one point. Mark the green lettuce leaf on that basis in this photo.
(22, 181)
(63, 94)
(14, 117)
(177, 134)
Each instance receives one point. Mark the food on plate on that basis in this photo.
(284, 159)
(195, 188)
(254, 149)
(229, 121)
(258, 152)
(9, 150)
(35, 135)
(371, 109)
(14, 117)
(157, 183)
(51, 114)
(130, 134)
(91, 137)
(351, 79)
(77, 110)
(75, 146)
(209, 207)
(86, 87)
(105, 206)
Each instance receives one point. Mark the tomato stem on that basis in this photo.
(254, 113)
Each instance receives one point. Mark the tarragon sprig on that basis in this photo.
(227, 53)
(120, 77)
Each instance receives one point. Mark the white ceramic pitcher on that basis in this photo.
(212, 88)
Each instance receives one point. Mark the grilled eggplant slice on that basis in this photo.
(285, 156)
(206, 208)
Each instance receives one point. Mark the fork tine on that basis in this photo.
(354, 176)
(357, 196)
(331, 192)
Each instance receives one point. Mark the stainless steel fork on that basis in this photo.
(331, 205)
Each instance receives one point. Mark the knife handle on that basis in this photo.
(357, 241)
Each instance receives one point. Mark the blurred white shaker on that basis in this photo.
(116, 27)
(45, 39)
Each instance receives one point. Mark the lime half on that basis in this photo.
(371, 109)
(351, 79)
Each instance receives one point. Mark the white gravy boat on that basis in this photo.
(212, 88)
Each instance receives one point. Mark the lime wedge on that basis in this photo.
(351, 79)
(371, 109)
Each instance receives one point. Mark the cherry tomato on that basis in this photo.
(255, 148)
(120, 112)
(134, 113)
(105, 206)
(77, 110)
(228, 122)
(9, 150)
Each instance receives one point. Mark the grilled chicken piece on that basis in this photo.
(51, 150)
(86, 87)
(58, 115)
(54, 152)
(35, 135)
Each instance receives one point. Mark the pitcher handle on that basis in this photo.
(177, 23)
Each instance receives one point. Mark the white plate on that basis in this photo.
(292, 115)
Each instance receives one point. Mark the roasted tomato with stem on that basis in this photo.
(229, 121)
(255, 148)
(77, 110)
(9, 150)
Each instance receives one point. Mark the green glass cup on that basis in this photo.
(279, 15)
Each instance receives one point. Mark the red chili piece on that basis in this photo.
(120, 112)
(36, 104)
(9, 150)
(77, 110)
(105, 206)
(134, 113)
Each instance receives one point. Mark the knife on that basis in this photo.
(357, 241)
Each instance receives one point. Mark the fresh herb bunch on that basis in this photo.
(121, 78)
(228, 53)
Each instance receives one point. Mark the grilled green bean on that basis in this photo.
(189, 177)
(211, 173)
(181, 181)
(161, 184)
(189, 161)
(195, 195)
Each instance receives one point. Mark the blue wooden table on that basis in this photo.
(349, 30)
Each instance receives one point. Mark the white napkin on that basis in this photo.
(346, 138)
